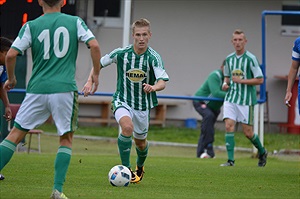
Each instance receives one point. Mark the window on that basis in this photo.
(290, 24)
(15, 13)
(108, 13)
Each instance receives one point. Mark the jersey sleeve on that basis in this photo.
(160, 73)
(296, 50)
(255, 68)
(226, 70)
(84, 33)
(106, 60)
(23, 40)
(158, 66)
(110, 58)
(215, 85)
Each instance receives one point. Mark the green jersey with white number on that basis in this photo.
(245, 66)
(133, 70)
(53, 39)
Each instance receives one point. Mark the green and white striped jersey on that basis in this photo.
(245, 67)
(132, 71)
(53, 39)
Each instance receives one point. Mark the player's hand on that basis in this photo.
(95, 79)
(236, 79)
(8, 114)
(10, 84)
(287, 98)
(90, 86)
(87, 88)
(225, 86)
(148, 88)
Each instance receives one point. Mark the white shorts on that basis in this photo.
(140, 120)
(238, 113)
(36, 109)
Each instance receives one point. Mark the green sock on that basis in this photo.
(256, 142)
(61, 166)
(124, 145)
(141, 155)
(7, 149)
(229, 139)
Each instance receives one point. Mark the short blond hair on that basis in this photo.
(238, 32)
(140, 23)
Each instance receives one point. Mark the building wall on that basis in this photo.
(193, 38)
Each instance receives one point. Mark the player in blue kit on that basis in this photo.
(293, 74)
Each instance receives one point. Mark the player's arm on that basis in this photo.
(3, 95)
(291, 79)
(161, 76)
(253, 81)
(257, 79)
(10, 62)
(92, 83)
(160, 85)
(95, 55)
(226, 83)
(214, 86)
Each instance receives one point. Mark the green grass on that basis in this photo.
(272, 141)
(171, 172)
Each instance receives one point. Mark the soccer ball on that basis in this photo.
(119, 176)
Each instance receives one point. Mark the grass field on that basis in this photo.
(171, 172)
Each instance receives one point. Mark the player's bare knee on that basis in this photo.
(127, 130)
(16, 135)
(229, 127)
(140, 144)
(248, 133)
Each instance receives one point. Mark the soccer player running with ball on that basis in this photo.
(53, 38)
(242, 73)
(141, 73)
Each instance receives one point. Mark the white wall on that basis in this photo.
(193, 37)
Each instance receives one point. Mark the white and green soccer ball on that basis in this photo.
(119, 176)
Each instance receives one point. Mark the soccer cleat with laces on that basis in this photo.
(58, 195)
(2, 177)
(140, 172)
(228, 164)
(134, 177)
(263, 159)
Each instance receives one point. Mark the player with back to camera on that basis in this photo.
(5, 44)
(242, 73)
(53, 38)
(141, 73)
(209, 110)
(293, 74)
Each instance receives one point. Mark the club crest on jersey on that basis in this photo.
(136, 75)
(239, 73)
